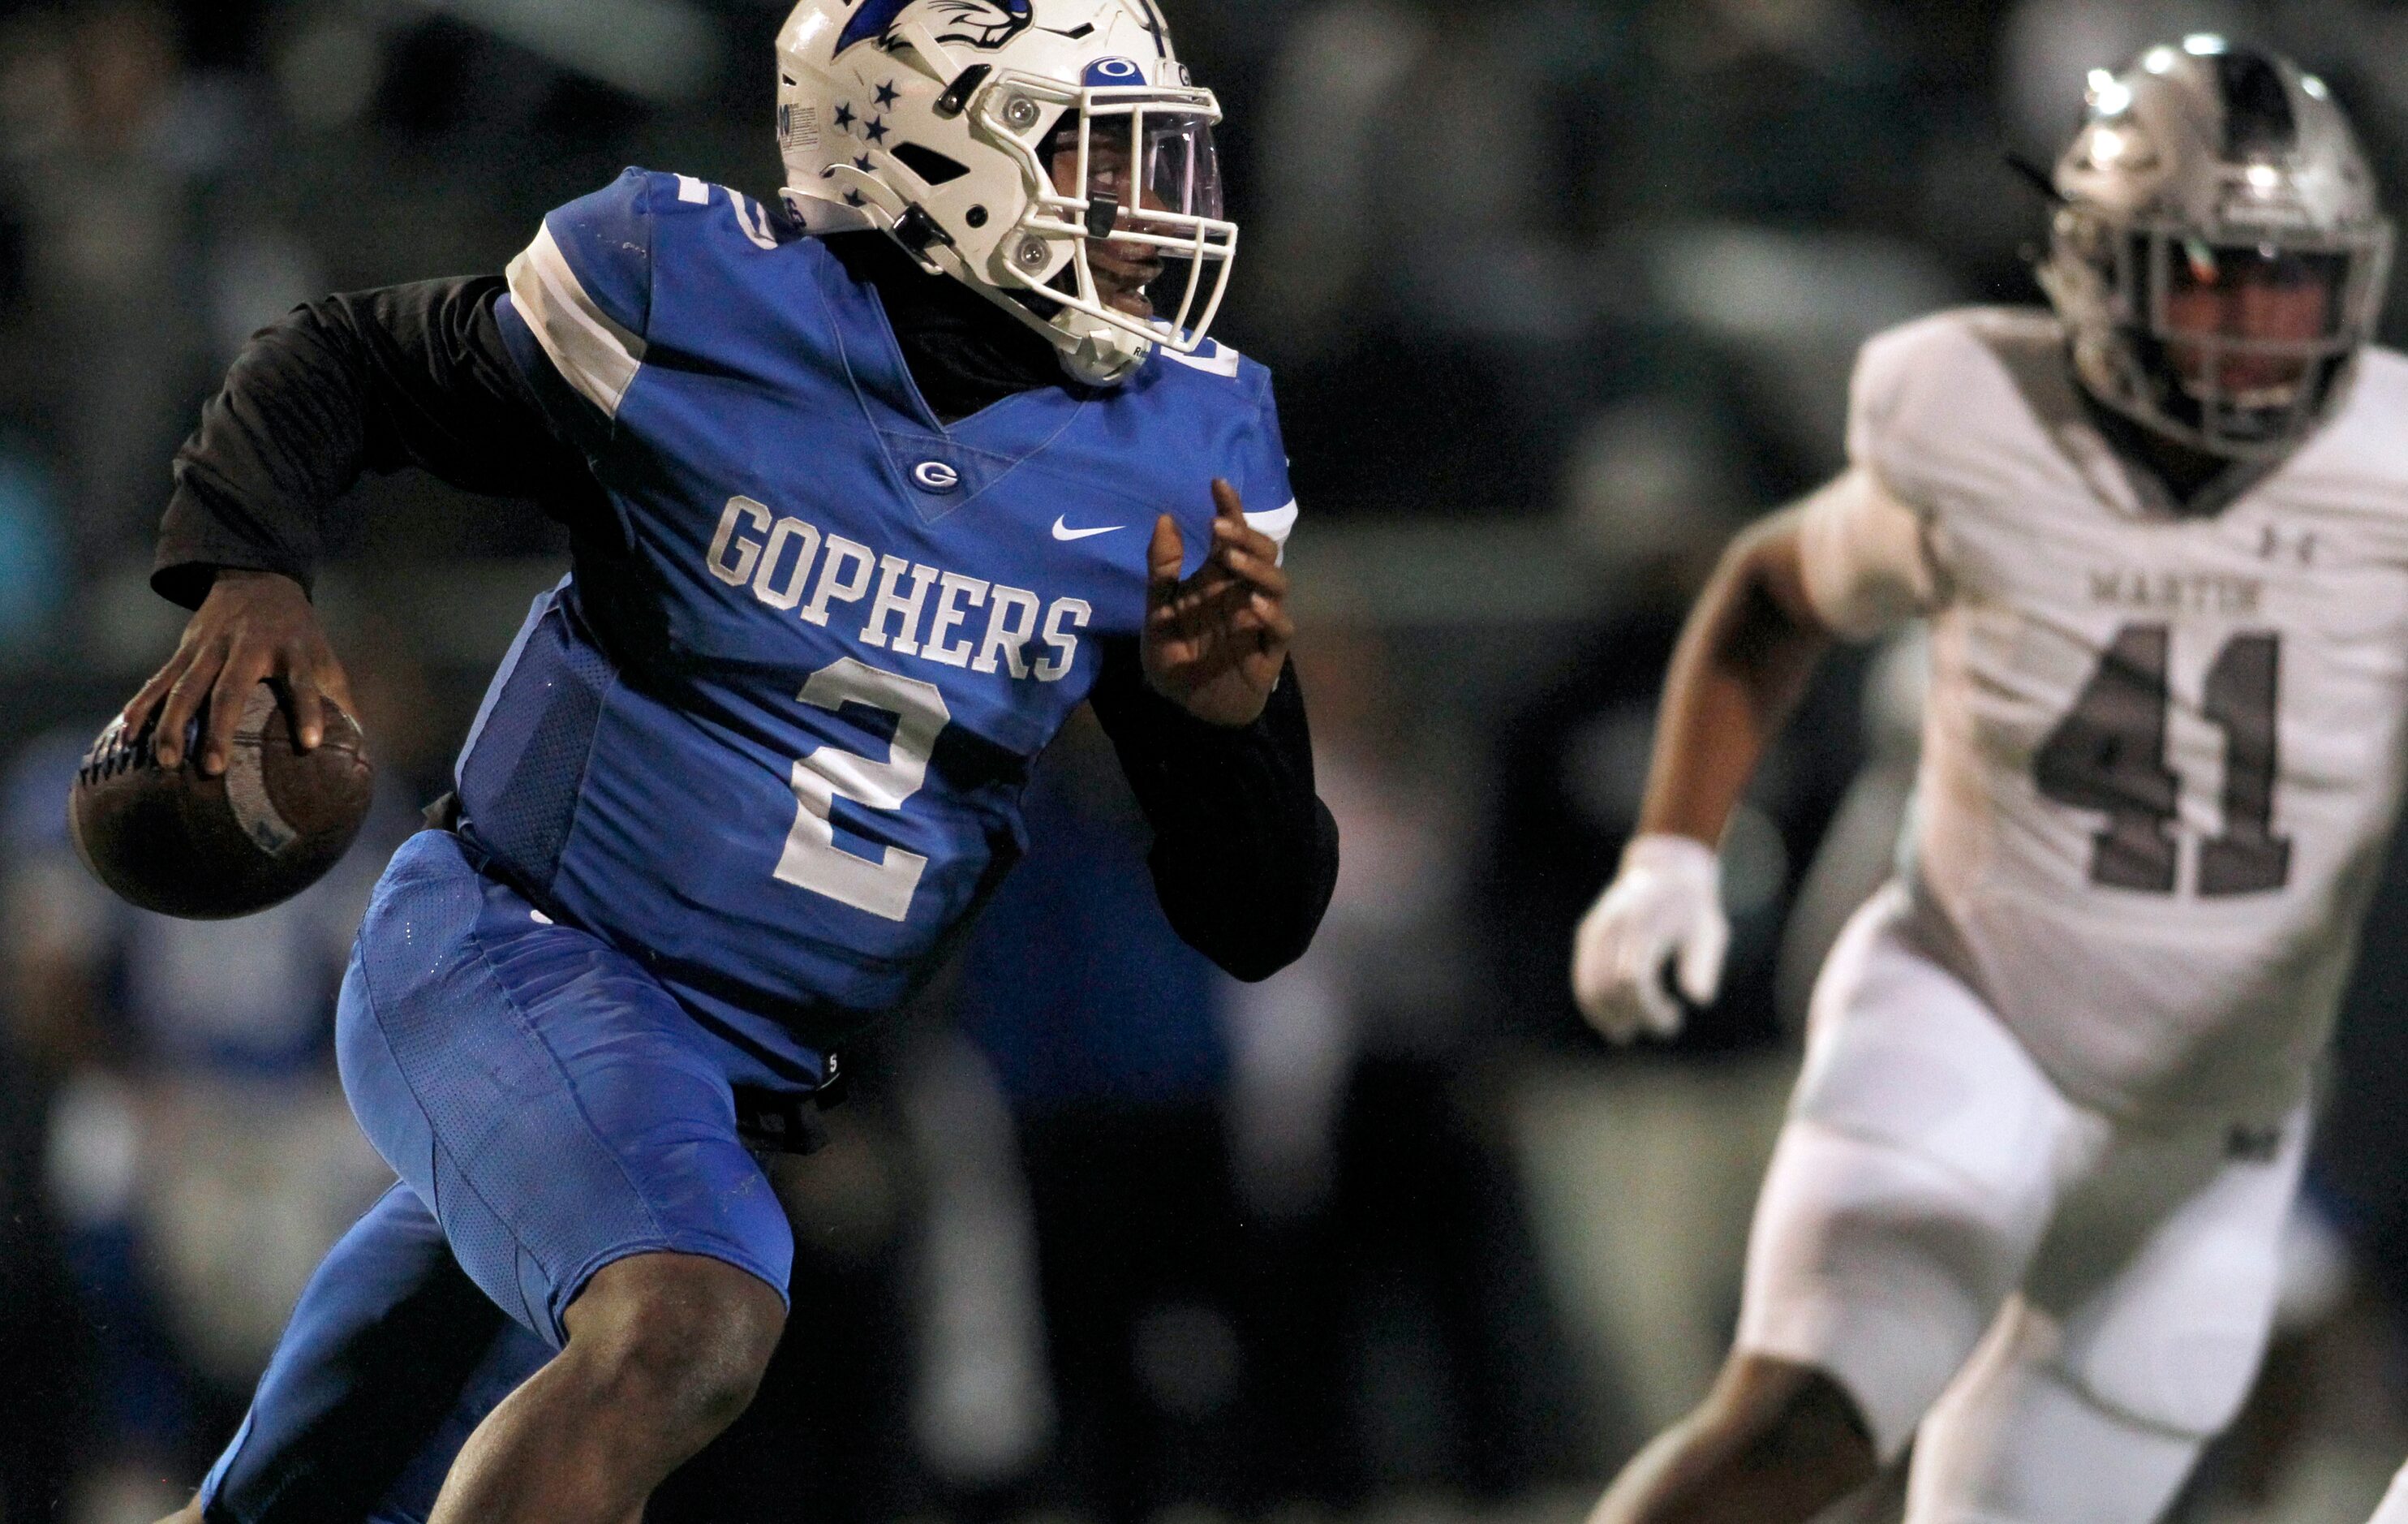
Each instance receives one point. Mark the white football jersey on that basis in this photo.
(2162, 754)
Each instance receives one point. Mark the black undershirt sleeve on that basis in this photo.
(375, 380)
(1245, 854)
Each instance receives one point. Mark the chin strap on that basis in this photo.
(1097, 353)
(1093, 353)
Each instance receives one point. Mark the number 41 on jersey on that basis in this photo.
(2109, 755)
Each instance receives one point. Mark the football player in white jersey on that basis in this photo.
(2053, 1107)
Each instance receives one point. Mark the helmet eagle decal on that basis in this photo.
(976, 23)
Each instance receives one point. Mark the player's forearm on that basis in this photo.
(1743, 661)
(1245, 854)
(284, 437)
(374, 381)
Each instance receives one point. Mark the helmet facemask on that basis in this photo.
(2235, 348)
(2218, 258)
(1122, 245)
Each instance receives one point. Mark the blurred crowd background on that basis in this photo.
(1558, 294)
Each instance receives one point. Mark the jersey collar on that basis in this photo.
(976, 452)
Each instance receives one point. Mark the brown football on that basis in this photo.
(208, 849)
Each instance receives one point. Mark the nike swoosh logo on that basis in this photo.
(1063, 531)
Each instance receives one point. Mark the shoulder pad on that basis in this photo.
(604, 240)
(685, 195)
(1949, 376)
(2366, 442)
(1939, 347)
(2383, 380)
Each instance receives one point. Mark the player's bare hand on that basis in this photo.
(1214, 643)
(253, 627)
(1664, 907)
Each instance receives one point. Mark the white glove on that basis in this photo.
(1666, 905)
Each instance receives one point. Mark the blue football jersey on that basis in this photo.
(771, 732)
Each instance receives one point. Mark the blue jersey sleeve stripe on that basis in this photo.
(591, 351)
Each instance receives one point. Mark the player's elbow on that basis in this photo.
(1763, 572)
(1253, 918)
(1250, 960)
(1758, 625)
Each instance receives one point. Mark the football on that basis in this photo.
(208, 849)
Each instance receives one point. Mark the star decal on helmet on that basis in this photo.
(853, 198)
(886, 94)
(862, 164)
(876, 131)
(844, 116)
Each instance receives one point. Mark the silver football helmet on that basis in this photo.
(2220, 257)
(1053, 155)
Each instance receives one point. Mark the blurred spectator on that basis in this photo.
(199, 1157)
(1642, 1169)
(33, 558)
(1100, 1026)
(1787, 112)
(112, 149)
(1363, 1118)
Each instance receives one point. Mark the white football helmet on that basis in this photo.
(2208, 168)
(935, 122)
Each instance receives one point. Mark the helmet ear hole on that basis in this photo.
(929, 164)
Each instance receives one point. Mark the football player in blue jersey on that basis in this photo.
(866, 491)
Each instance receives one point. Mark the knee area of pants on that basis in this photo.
(2192, 1390)
(1941, 1257)
(1875, 1181)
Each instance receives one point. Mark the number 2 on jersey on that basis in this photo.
(882, 886)
(2109, 755)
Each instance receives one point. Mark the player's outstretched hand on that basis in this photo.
(253, 625)
(1214, 643)
(1664, 907)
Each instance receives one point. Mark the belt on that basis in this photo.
(788, 1121)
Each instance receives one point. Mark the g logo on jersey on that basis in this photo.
(978, 24)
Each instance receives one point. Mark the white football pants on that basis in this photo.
(2393, 1509)
(2067, 1310)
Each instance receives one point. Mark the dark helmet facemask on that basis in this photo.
(2218, 259)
